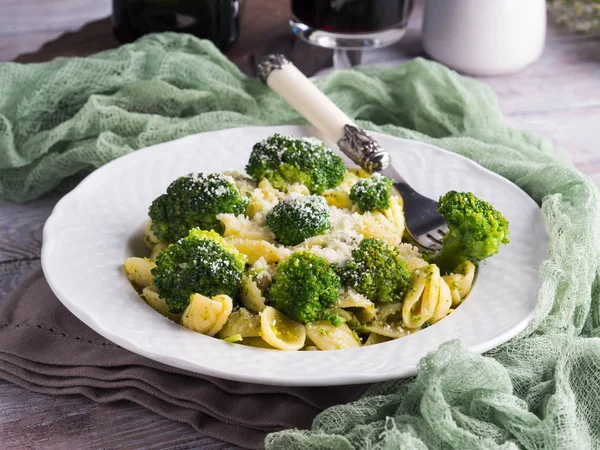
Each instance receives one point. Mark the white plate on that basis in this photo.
(100, 223)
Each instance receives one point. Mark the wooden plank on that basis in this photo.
(31, 420)
(566, 77)
(21, 228)
(27, 25)
(32, 16)
(93, 37)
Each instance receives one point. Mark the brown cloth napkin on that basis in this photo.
(46, 349)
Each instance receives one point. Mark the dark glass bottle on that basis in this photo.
(216, 20)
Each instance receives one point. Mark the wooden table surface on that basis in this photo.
(557, 97)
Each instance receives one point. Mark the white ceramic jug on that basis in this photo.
(484, 37)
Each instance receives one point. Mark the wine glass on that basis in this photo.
(350, 26)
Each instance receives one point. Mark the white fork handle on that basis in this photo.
(300, 93)
(306, 98)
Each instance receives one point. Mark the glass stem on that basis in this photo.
(345, 59)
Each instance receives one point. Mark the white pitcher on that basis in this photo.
(485, 37)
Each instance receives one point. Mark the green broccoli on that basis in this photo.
(298, 217)
(304, 287)
(376, 271)
(372, 194)
(286, 160)
(194, 201)
(477, 230)
(201, 263)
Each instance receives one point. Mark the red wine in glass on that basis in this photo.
(350, 24)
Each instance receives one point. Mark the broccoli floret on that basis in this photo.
(376, 271)
(304, 287)
(476, 230)
(286, 160)
(298, 217)
(372, 194)
(194, 201)
(201, 263)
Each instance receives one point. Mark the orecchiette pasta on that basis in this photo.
(280, 332)
(392, 330)
(244, 183)
(256, 342)
(149, 237)
(251, 295)
(256, 249)
(138, 271)
(298, 188)
(375, 338)
(242, 322)
(151, 296)
(460, 283)
(422, 298)
(329, 337)
(243, 228)
(157, 249)
(207, 315)
(340, 196)
(411, 255)
(387, 225)
(263, 198)
(363, 308)
(391, 312)
(444, 302)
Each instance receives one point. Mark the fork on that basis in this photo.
(424, 224)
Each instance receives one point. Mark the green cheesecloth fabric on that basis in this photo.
(541, 390)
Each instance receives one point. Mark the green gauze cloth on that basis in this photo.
(539, 391)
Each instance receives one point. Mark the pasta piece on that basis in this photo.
(460, 283)
(392, 330)
(444, 302)
(262, 199)
(243, 182)
(243, 323)
(280, 331)
(387, 225)
(315, 241)
(138, 271)
(340, 196)
(311, 348)
(256, 249)
(422, 298)
(256, 342)
(251, 295)
(298, 188)
(242, 227)
(234, 338)
(375, 338)
(329, 337)
(362, 307)
(262, 273)
(157, 249)
(428, 300)
(395, 213)
(150, 295)
(360, 173)
(149, 237)
(390, 312)
(207, 315)
(411, 255)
